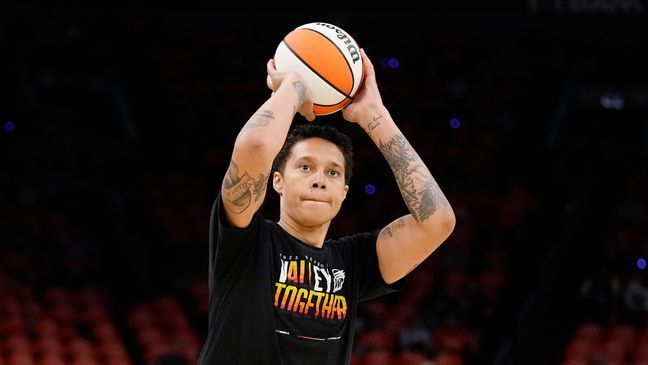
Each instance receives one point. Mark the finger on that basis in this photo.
(269, 82)
(365, 59)
(369, 73)
(308, 111)
(311, 113)
(270, 68)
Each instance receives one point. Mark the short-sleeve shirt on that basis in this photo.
(276, 300)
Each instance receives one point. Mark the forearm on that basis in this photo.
(256, 146)
(265, 132)
(420, 191)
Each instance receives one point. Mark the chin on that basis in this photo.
(312, 220)
(315, 217)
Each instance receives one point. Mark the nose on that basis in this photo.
(318, 182)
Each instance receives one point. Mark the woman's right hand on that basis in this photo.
(276, 79)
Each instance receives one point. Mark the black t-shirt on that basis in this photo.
(278, 301)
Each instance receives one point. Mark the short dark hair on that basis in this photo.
(300, 132)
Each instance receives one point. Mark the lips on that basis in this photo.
(315, 200)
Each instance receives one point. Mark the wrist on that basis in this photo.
(372, 113)
(290, 78)
(294, 84)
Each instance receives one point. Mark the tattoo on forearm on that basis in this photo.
(260, 119)
(240, 189)
(374, 123)
(301, 91)
(421, 193)
(393, 227)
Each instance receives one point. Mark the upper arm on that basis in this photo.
(244, 188)
(404, 243)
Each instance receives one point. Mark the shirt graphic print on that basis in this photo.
(307, 287)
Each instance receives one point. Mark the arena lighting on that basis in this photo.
(641, 263)
(612, 101)
(370, 189)
(9, 126)
(389, 62)
(617, 98)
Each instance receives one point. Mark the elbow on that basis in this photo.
(448, 220)
(441, 225)
(250, 146)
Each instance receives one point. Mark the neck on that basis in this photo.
(312, 236)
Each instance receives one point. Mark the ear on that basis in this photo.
(346, 190)
(277, 182)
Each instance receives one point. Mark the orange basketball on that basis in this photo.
(328, 59)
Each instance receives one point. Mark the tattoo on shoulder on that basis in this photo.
(421, 193)
(260, 119)
(240, 189)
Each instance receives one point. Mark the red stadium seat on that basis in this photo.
(448, 358)
(20, 358)
(576, 360)
(377, 357)
(51, 359)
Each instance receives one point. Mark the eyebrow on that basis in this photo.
(311, 159)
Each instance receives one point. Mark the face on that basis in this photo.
(312, 185)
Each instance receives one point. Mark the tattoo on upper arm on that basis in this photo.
(393, 227)
(260, 119)
(421, 193)
(374, 123)
(240, 189)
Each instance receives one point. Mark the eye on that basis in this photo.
(304, 167)
(334, 173)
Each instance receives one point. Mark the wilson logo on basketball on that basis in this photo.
(351, 47)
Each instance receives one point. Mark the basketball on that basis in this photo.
(328, 59)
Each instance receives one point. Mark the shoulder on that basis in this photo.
(356, 237)
(219, 218)
(353, 241)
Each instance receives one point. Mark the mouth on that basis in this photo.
(315, 200)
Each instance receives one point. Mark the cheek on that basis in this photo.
(339, 198)
(294, 184)
(292, 190)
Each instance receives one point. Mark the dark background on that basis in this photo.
(117, 126)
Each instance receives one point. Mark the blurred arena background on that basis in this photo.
(117, 125)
